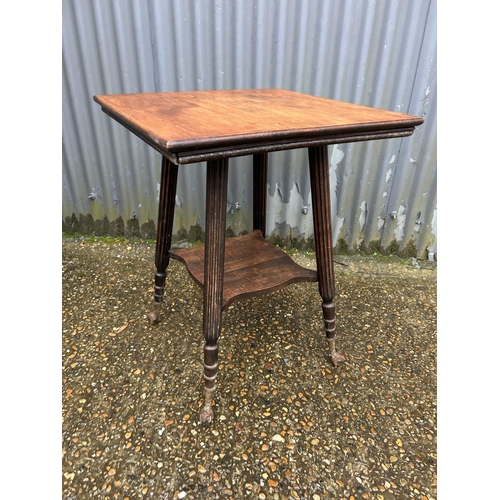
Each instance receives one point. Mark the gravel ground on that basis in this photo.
(288, 425)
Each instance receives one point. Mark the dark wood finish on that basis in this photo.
(168, 186)
(212, 126)
(260, 192)
(206, 125)
(200, 156)
(215, 229)
(321, 205)
(253, 267)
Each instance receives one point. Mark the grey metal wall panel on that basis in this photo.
(379, 53)
(413, 190)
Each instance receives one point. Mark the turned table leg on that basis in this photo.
(215, 233)
(321, 204)
(164, 232)
(260, 192)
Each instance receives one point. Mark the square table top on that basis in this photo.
(201, 125)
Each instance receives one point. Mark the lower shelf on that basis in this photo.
(252, 267)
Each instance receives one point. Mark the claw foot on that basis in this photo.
(337, 358)
(206, 415)
(154, 315)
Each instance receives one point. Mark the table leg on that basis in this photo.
(260, 192)
(321, 204)
(215, 233)
(164, 232)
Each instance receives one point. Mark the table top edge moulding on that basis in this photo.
(189, 127)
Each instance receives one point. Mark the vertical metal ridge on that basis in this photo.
(380, 54)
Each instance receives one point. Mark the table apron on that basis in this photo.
(206, 155)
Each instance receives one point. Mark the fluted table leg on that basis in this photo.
(166, 210)
(215, 232)
(321, 204)
(260, 192)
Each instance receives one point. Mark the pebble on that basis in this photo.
(283, 414)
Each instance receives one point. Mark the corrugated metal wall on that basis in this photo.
(379, 53)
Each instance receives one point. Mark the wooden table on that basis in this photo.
(213, 126)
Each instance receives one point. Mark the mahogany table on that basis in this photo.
(213, 126)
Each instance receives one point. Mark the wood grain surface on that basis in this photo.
(183, 123)
(252, 267)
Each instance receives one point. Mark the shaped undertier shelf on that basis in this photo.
(252, 267)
